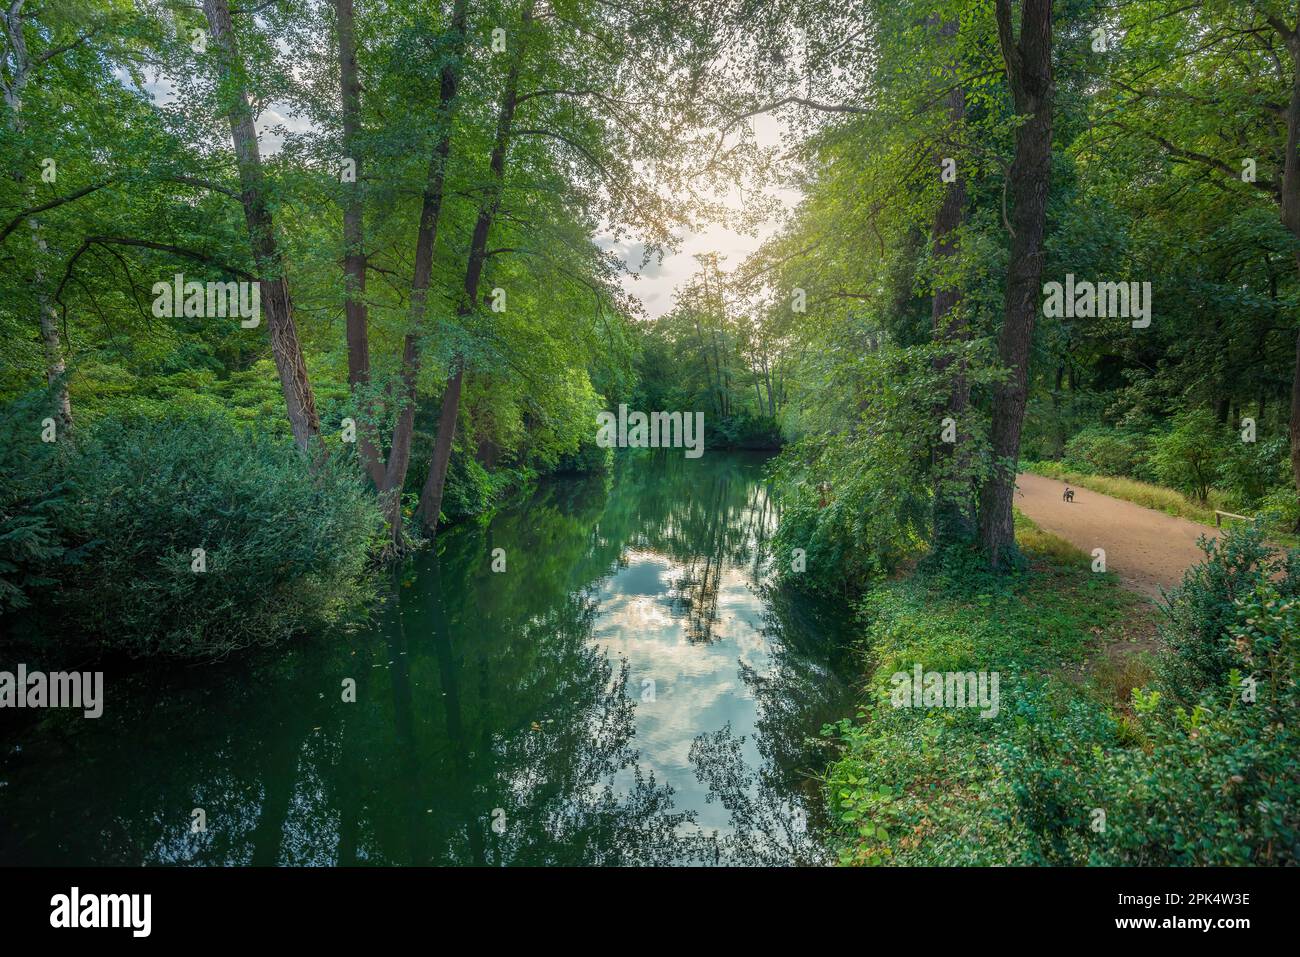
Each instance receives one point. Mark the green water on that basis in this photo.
(500, 717)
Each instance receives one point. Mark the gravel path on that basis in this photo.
(1148, 550)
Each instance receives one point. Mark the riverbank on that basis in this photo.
(1096, 753)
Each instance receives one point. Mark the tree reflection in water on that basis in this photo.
(513, 697)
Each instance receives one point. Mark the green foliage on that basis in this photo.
(472, 490)
(1281, 506)
(1190, 772)
(934, 786)
(1189, 456)
(858, 486)
(1202, 608)
(589, 457)
(744, 430)
(286, 546)
(33, 501)
(1106, 452)
(1211, 782)
(1252, 472)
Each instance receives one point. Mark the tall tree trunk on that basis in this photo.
(55, 367)
(300, 403)
(953, 498)
(1058, 427)
(354, 254)
(1291, 219)
(717, 361)
(430, 506)
(708, 372)
(767, 382)
(1029, 73)
(399, 455)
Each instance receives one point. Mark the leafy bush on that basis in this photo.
(1250, 469)
(744, 430)
(32, 501)
(1210, 784)
(1205, 773)
(1189, 456)
(1201, 609)
(285, 547)
(473, 490)
(589, 457)
(1107, 452)
(1281, 508)
(854, 521)
(857, 490)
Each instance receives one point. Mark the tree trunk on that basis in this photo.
(953, 498)
(56, 370)
(1291, 219)
(704, 354)
(399, 455)
(431, 494)
(767, 382)
(354, 255)
(1029, 72)
(55, 367)
(300, 404)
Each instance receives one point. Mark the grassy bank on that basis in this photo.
(1080, 764)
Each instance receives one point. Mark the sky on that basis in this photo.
(656, 283)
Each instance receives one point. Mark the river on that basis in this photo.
(630, 689)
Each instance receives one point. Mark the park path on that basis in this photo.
(1146, 549)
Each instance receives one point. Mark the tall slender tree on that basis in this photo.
(1028, 61)
(300, 402)
(430, 506)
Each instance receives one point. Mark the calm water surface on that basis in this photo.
(628, 691)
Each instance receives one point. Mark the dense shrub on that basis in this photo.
(285, 546)
(1281, 508)
(1206, 771)
(1190, 455)
(1203, 607)
(473, 490)
(1250, 469)
(589, 457)
(853, 519)
(743, 430)
(32, 500)
(1209, 784)
(1107, 452)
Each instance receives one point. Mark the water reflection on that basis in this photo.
(629, 691)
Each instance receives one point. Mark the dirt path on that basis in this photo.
(1146, 549)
